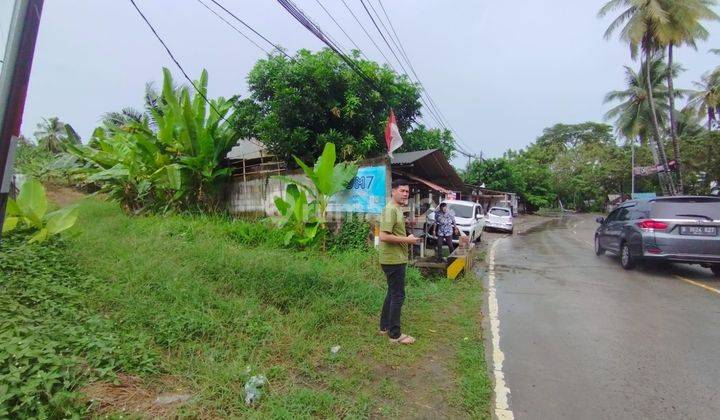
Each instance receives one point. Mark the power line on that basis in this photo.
(300, 16)
(341, 28)
(251, 28)
(404, 54)
(432, 107)
(368, 34)
(182, 70)
(234, 27)
(382, 35)
(429, 108)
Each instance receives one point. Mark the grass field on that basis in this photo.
(201, 304)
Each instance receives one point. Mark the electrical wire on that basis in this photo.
(177, 63)
(234, 27)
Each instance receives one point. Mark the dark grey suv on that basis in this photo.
(678, 229)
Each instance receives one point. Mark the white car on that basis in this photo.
(468, 218)
(499, 218)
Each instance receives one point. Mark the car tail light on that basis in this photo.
(654, 250)
(652, 225)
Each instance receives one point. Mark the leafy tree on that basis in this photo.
(497, 174)
(702, 157)
(560, 137)
(316, 98)
(53, 134)
(422, 138)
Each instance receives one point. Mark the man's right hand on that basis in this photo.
(412, 239)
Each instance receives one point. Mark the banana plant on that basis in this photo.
(30, 210)
(327, 177)
(200, 135)
(298, 216)
(170, 159)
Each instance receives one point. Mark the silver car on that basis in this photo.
(678, 229)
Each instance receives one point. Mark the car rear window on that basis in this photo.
(686, 208)
(461, 211)
(500, 212)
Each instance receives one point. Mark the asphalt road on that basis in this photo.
(584, 339)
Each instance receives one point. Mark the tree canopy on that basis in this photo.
(298, 104)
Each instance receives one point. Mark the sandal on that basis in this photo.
(403, 339)
(382, 332)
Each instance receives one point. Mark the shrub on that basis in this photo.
(353, 234)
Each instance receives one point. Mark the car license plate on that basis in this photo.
(698, 230)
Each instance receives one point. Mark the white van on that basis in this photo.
(469, 218)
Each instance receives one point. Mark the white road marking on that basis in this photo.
(502, 407)
(694, 283)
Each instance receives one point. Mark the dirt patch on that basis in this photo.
(426, 386)
(63, 195)
(132, 396)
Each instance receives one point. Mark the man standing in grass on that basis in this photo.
(393, 260)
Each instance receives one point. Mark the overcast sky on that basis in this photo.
(499, 71)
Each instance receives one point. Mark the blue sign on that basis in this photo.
(365, 193)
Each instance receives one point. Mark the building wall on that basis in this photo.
(256, 196)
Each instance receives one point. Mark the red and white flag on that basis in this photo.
(392, 134)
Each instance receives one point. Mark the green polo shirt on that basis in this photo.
(392, 221)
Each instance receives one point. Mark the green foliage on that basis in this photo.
(32, 160)
(701, 158)
(497, 174)
(353, 235)
(577, 165)
(303, 218)
(216, 306)
(54, 136)
(51, 343)
(298, 216)
(327, 177)
(30, 210)
(632, 116)
(170, 159)
(422, 138)
(302, 103)
(259, 232)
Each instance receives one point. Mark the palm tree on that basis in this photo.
(123, 119)
(632, 116)
(642, 22)
(50, 134)
(683, 27)
(706, 100)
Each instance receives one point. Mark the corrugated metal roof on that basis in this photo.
(247, 149)
(430, 165)
(410, 157)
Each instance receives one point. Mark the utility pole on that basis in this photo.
(14, 79)
(632, 168)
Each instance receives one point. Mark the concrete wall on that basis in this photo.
(256, 196)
